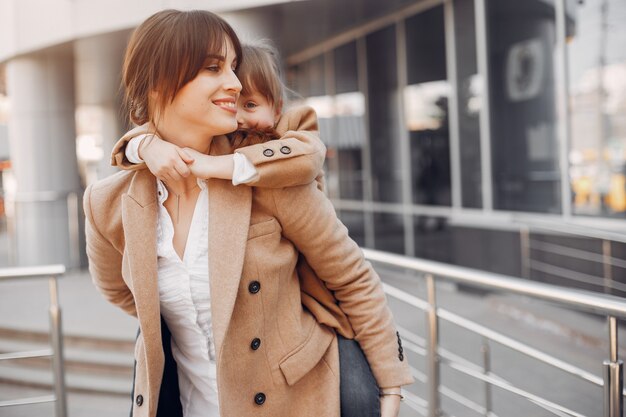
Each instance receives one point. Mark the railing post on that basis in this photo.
(613, 376)
(56, 335)
(486, 351)
(607, 266)
(433, 346)
(524, 242)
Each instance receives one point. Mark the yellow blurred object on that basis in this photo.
(616, 198)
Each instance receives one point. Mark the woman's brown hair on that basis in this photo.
(166, 52)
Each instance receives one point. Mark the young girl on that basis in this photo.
(256, 111)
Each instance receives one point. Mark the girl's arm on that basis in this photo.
(296, 158)
(338, 261)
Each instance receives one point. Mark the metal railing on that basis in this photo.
(52, 272)
(603, 257)
(612, 307)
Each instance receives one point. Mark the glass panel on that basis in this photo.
(355, 222)
(597, 88)
(469, 100)
(433, 238)
(349, 122)
(389, 232)
(383, 115)
(521, 46)
(426, 107)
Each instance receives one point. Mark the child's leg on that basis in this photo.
(358, 389)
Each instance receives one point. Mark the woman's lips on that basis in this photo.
(227, 104)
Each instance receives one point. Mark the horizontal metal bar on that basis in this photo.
(416, 403)
(26, 354)
(460, 399)
(576, 276)
(575, 253)
(500, 383)
(27, 401)
(44, 271)
(581, 300)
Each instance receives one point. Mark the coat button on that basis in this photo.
(259, 398)
(268, 152)
(400, 350)
(401, 356)
(254, 287)
(256, 342)
(139, 400)
(286, 150)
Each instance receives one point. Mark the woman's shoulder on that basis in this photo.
(113, 183)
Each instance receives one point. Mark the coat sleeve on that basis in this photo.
(105, 263)
(118, 154)
(296, 158)
(309, 221)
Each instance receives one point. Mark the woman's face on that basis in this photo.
(208, 102)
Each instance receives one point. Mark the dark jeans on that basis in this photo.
(358, 389)
(169, 394)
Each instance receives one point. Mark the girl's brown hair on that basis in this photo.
(260, 72)
(166, 52)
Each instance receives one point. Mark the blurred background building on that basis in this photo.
(482, 133)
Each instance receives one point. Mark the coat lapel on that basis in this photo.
(229, 221)
(139, 217)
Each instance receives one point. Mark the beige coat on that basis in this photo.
(255, 235)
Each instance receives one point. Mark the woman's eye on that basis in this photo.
(213, 68)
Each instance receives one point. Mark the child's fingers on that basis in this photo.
(182, 169)
(185, 156)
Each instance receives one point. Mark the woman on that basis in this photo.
(243, 341)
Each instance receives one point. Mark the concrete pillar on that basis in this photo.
(98, 67)
(42, 140)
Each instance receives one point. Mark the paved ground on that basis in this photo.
(573, 337)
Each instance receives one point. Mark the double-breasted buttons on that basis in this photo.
(259, 398)
(139, 400)
(286, 150)
(256, 343)
(268, 153)
(254, 287)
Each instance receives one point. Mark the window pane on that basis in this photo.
(426, 107)
(523, 105)
(355, 222)
(597, 88)
(349, 122)
(389, 232)
(469, 100)
(383, 115)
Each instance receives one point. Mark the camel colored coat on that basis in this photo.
(255, 235)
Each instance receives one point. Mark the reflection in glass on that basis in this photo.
(389, 232)
(355, 222)
(469, 100)
(597, 89)
(521, 50)
(384, 122)
(426, 108)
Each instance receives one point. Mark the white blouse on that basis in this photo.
(185, 296)
(186, 306)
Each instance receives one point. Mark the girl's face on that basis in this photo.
(255, 111)
(208, 102)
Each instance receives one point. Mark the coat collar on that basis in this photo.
(229, 220)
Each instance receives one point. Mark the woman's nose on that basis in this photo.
(232, 83)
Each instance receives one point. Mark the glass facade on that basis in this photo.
(597, 100)
(432, 118)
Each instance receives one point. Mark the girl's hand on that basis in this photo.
(165, 160)
(201, 165)
(389, 406)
